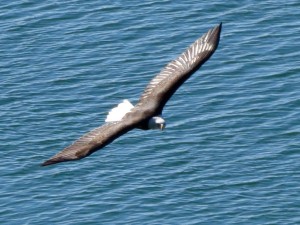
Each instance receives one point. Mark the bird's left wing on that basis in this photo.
(91, 142)
(164, 85)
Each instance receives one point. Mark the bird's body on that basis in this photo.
(146, 114)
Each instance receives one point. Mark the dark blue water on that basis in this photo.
(230, 153)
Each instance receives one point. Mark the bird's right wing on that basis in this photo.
(91, 142)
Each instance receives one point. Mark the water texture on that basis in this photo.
(230, 153)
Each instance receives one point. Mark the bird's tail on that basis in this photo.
(117, 113)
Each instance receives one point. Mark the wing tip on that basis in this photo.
(47, 163)
(50, 162)
(55, 160)
(219, 27)
(215, 35)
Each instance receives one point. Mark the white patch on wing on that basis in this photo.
(117, 113)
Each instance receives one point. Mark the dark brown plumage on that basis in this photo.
(151, 103)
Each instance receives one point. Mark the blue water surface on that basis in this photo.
(230, 153)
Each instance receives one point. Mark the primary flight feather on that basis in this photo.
(146, 114)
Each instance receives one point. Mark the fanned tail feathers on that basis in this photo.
(117, 113)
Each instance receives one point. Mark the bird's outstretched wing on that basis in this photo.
(152, 101)
(91, 142)
(164, 85)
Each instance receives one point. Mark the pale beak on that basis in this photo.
(162, 126)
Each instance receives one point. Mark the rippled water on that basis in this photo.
(230, 153)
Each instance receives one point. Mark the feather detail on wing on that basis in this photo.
(90, 142)
(164, 85)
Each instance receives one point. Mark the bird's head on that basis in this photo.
(157, 122)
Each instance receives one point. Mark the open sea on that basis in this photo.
(230, 153)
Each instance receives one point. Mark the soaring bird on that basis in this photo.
(146, 114)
